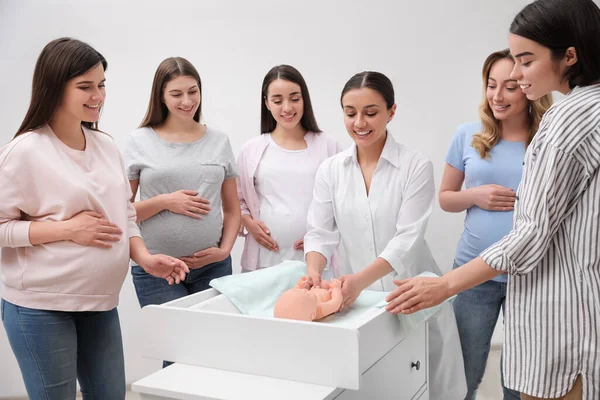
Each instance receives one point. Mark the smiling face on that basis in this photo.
(182, 97)
(504, 96)
(284, 100)
(366, 116)
(84, 95)
(535, 70)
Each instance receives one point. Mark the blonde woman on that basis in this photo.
(487, 157)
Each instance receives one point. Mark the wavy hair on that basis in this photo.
(490, 133)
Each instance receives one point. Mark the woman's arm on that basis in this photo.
(451, 197)
(488, 197)
(322, 235)
(231, 214)
(185, 202)
(147, 208)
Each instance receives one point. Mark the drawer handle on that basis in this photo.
(416, 365)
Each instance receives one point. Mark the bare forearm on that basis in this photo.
(456, 201)
(150, 207)
(469, 275)
(137, 250)
(231, 227)
(49, 232)
(315, 261)
(374, 271)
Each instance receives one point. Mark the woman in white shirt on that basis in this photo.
(375, 199)
(277, 171)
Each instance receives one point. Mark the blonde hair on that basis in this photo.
(489, 136)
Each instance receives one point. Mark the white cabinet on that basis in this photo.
(221, 354)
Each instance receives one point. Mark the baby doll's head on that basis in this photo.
(298, 304)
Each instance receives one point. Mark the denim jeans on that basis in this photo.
(56, 348)
(153, 290)
(477, 311)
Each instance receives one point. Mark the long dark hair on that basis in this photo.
(288, 73)
(60, 61)
(560, 24)
(168, 70)
(372, 80)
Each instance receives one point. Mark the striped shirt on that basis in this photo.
(552, 329)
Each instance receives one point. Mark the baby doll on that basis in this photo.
(311, 304)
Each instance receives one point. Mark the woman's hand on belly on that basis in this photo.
(89, 228)
(260, 233)
(188, 203)
(299, 245)
(205, 257)
(494, 197)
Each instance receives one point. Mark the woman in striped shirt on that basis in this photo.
(552, 254)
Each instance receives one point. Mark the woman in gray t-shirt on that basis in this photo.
(185, 172)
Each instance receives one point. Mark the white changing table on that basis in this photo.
(221, 354)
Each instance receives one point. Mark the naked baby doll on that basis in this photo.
(311, 304)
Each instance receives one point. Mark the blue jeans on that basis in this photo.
(477, 311)
(56, 348)
(153, 290)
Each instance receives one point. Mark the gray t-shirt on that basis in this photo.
(166, 167)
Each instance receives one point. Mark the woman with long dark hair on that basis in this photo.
(67, 231)
(277, 171)
(185, 172)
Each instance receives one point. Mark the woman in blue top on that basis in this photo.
(487, 156)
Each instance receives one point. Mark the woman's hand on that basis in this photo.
(494, 197)
(205, 257)
(299, 245)
(166, 267)
(260, 233)
(352, 286)
(89, 228)
(314, 278)
(187, 202)
(415, 294)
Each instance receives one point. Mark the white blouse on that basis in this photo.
(389, 222)
(284, 182)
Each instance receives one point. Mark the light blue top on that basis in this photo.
(503, 167)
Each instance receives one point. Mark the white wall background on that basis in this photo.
(431, 50)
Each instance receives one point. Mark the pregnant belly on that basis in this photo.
(286, 229)
(181, 236)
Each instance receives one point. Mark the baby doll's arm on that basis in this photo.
(333, 305)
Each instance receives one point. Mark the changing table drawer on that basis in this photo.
(404, 368)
